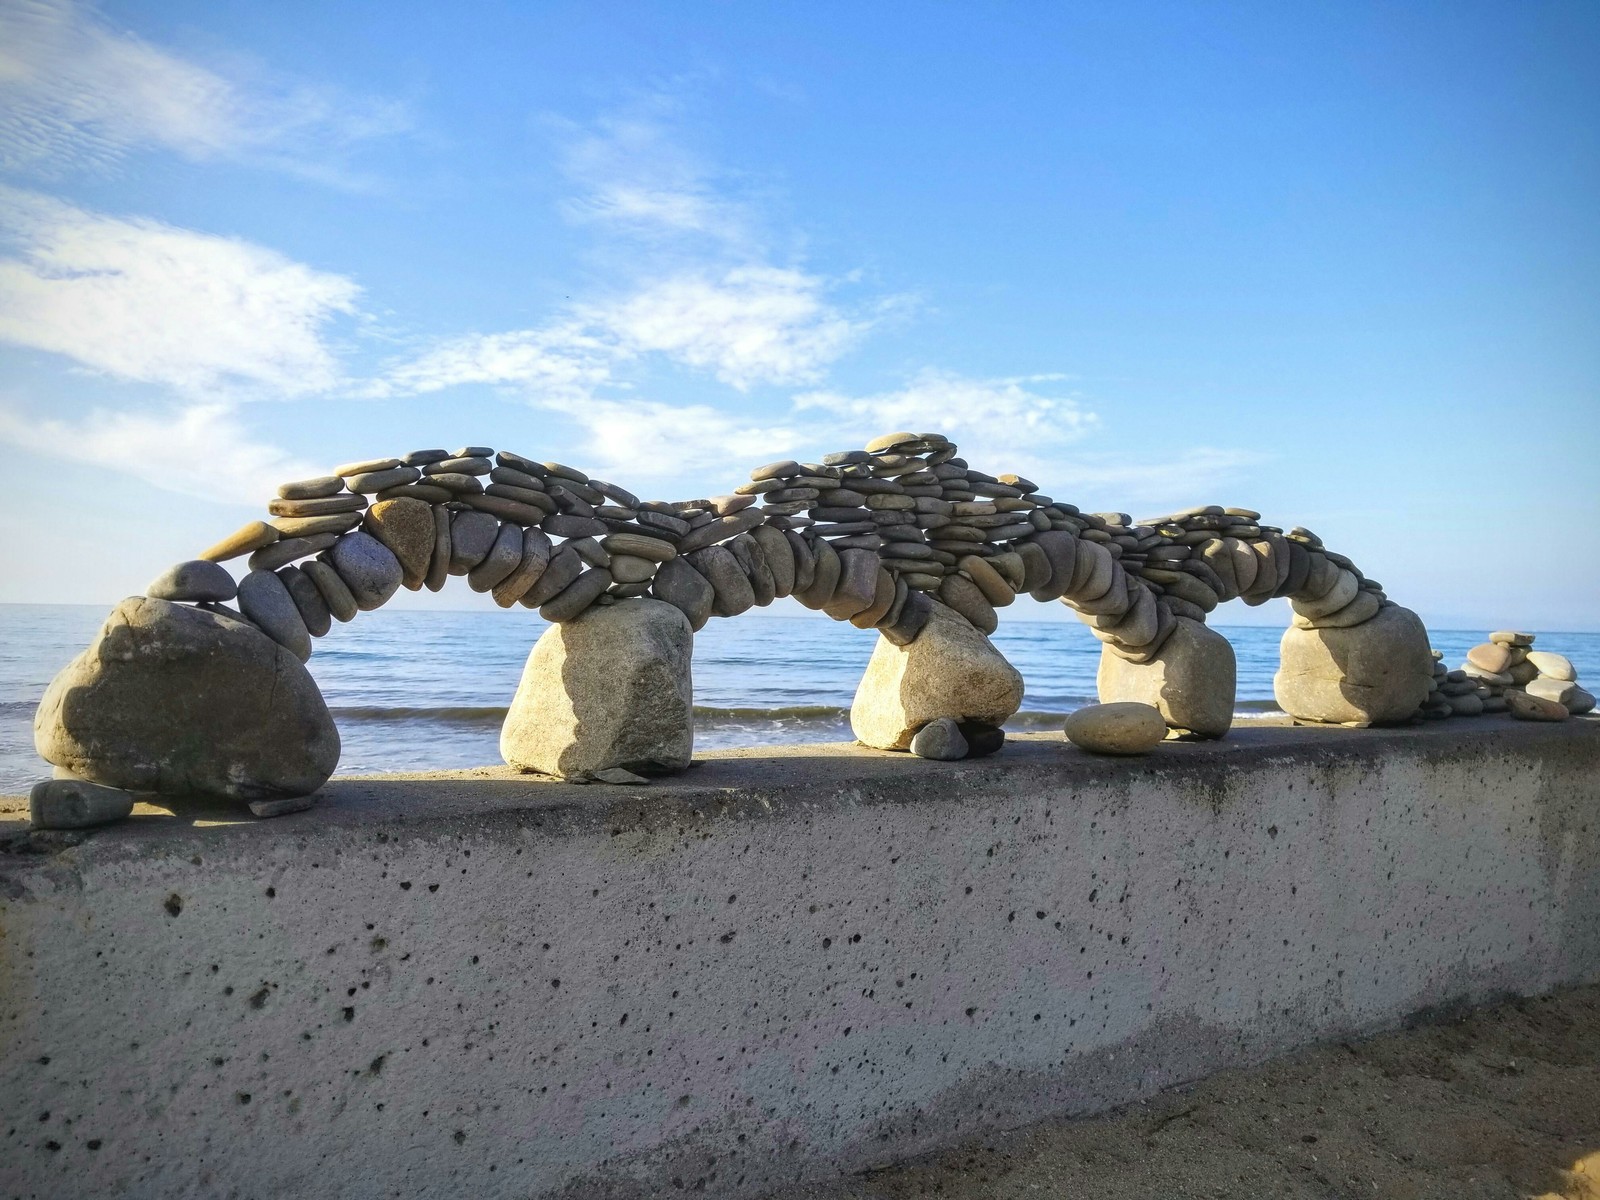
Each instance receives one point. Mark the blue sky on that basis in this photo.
(1337, 262)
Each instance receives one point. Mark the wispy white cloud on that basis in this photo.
(76, 93)
(202, 450)
(695, 445)
(564, 362)
(700, 292)
(748, 325)
(631, 174)
(145, 301)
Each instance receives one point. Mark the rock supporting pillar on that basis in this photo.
(950, 670)
(184, 702)
(609, 688)
(1372, 673)
(1191, 680)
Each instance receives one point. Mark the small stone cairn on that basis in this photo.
(1507, 674)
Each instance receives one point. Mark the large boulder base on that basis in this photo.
(1191, 681)
(950, 670)
(180, 701)
(1369, 674)
(609, 688)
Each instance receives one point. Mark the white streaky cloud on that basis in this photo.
(76, 93)
(1000, 424)
(745, 326)
(748, 325)
(201, 450)
(695, 445)
(562, 363)
(632, 176)
(141, 300)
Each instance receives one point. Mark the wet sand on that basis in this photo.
(1501, 1103)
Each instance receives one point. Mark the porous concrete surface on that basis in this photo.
(1500, 1103)
(780, 967)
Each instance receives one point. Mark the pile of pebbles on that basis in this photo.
(869, 536)
(1507, 674)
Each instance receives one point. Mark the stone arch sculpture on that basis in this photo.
(902, 536)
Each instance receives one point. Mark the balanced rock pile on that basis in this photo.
(1507, 673)
(872, 536)
(886, 537)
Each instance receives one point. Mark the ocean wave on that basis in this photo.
(458, 714)
(453, 714)
(794, 712)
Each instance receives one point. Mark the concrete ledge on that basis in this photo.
(779, 967)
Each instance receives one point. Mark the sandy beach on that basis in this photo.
(1502, 1103)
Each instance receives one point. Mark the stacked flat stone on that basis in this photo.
(871, 536)
(1199, 558)
(1457, 694)
(1506, 670)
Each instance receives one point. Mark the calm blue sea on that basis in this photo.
(427, 690)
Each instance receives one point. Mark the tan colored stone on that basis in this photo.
(1191, 682)
(244, 540)
(1509, 637)
(890, 440)
(1363, 607)
(990, 582)
(1491, 656)
(298, 527)
(1552, 666)
(1340, 594)
(1526, 707)
(609, 688)
(1372, 673)
(406, 527)
(1558, 691)
(1136, 627)
(1122, 728)
(949, 670)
